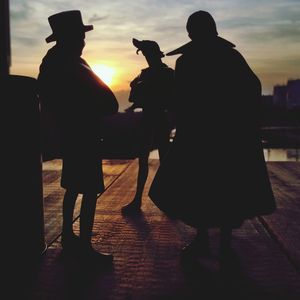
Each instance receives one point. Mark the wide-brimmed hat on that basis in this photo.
(147, 47)
(66, 23)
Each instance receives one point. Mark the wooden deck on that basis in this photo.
(53, 193)
(146, 248)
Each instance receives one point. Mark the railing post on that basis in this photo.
(22, 163)
(5, 58)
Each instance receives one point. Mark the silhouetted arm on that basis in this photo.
(168, 89)
(135, 94)
(96, 92)
(252, 89)
(179, 96)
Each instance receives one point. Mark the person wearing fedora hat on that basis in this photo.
(66, 23)
(76, 99)
(152, 90)
(218, 100)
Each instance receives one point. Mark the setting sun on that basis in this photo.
(105, 73)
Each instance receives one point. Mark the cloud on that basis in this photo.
(267, 32)
(96, 18)
(20, 10)
(278, 33)
(28, 41)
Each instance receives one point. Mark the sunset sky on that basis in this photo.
(266, 32)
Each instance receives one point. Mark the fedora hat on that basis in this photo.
(66, 23)
(147, 47)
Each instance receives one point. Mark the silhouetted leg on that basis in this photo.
(199, 246)
(87, 216)
(225, 239)
(202, 237)
(162, 150)
(142, 178)
(135, 205)
(69, 239)
(229, 261)
(164, 144)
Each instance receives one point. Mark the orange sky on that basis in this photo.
(266, 32)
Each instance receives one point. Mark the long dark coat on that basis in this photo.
(76, 99)
(215, 173)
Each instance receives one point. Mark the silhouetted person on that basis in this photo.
(151, 90)
(77, 98)
(214, 174)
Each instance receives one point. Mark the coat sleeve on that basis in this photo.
(252, 89)
(179, 93)
(134, 96)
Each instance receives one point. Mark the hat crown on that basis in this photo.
(65, 23)
(147, 46)
(70, 18)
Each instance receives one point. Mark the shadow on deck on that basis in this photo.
(146, 248)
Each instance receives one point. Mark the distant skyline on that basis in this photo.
(266, 32)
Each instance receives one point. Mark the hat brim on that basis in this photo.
(53, 37)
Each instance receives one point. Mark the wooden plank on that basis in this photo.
(53, 193)
(114, 167)
(284, 222)
(146, 252)
(123, 190)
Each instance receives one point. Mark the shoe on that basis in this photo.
(228, 254)
(229, 261)
(71, 244)
(103, 259)
(132, 208)
(195, 249)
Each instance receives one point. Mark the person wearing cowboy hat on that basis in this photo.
(218, 98)
(77, 99)
(152, 90)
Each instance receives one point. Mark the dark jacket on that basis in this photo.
(74, 96)
(153, 89)
(215, 172)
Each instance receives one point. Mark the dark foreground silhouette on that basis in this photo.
(76, 99)
(218, 98)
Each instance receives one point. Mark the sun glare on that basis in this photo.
(105, 73)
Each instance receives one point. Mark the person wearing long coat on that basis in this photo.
(215, 174)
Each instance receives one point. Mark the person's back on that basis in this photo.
(218, 100)
(217, 140)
